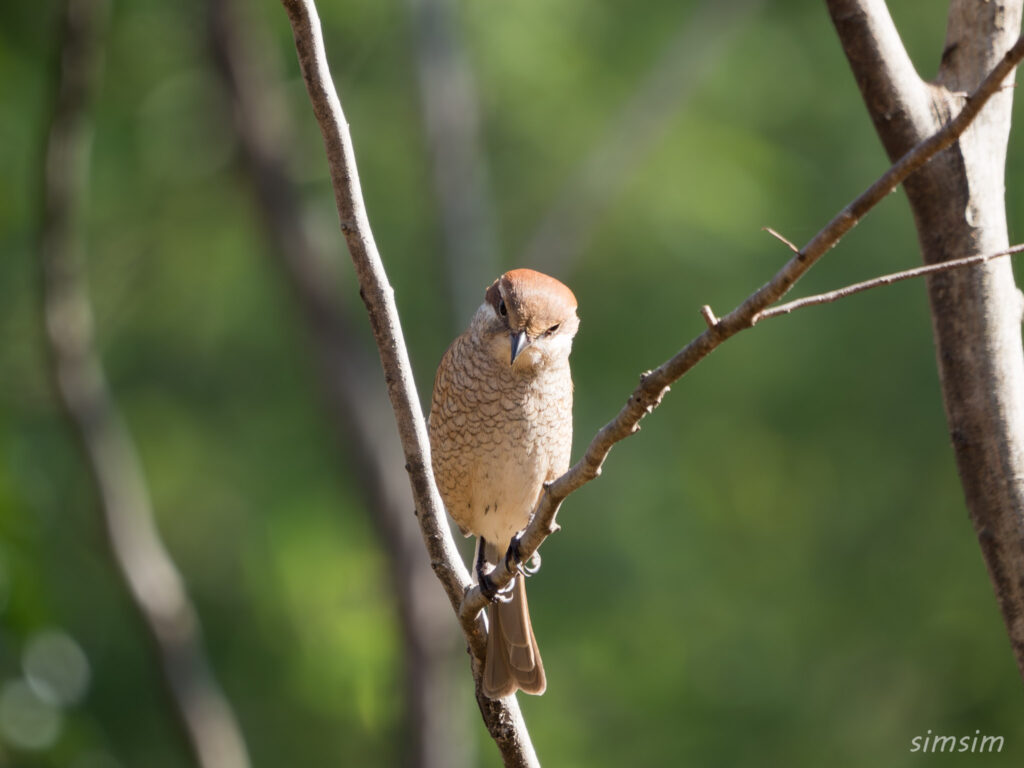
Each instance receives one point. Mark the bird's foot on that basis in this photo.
(514, 558)
(490, 590)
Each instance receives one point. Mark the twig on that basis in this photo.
(502, 717)
(653, 385)
(876, 282)
(782, 239)
(709, 316)
(143, 564)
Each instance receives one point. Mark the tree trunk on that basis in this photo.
(959, 210)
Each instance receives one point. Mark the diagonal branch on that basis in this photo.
(374, 289)
(503, 718)
(149, 575)
(654, 384)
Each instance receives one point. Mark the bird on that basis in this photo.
(500, 428)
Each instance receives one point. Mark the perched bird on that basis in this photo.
(500, 427)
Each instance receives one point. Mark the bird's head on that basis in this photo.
(527, 318)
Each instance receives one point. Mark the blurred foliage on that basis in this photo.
(778, 570)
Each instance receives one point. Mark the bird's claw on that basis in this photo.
(514, 559)
(532, 565)
(514, 563)
(489, 590)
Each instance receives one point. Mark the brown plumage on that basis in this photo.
(501, 427)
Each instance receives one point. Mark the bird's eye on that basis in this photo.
(502, 309)
(553, 328)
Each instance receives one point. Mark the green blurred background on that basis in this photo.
(778, 570)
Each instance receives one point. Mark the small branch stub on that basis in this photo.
(709, 316)
(781, 238)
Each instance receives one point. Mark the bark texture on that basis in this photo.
(959, 211)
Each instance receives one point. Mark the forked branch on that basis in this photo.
(884, 72)
(654, 384)
(877, 282)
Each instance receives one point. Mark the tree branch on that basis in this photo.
(655, 384)
(959, 205)
(435, 721)
(899, 101)
(878, 282)
(502, 717)
(149, 575)
(375, 291)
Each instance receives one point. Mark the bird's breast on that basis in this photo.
(497, 435)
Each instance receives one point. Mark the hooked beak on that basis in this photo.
(519, 343)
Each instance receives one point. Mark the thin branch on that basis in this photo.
(502, 717)
(898, 100)
(143, 564)
(877, 282)
(435, 722)
(375, 291)
(654, 384)
(642, 123)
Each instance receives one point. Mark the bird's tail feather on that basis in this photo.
(513, 660)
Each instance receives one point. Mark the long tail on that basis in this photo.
(513, 661)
